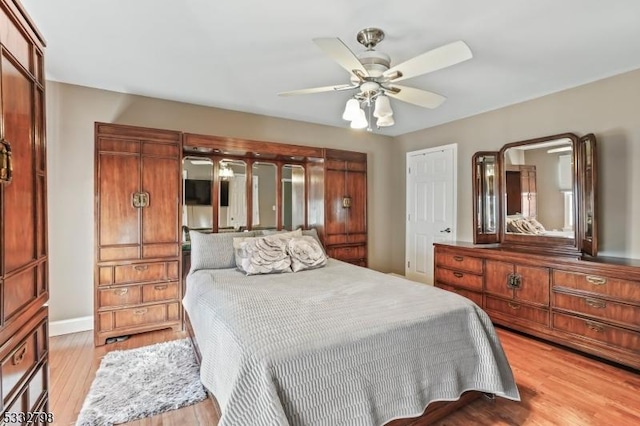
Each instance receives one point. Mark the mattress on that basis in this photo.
(339, 345)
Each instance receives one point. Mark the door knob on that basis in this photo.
(447, 230)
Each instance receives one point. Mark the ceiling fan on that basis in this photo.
(375, 79)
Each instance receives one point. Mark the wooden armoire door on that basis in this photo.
(138, 200)
(345, 198)
(23, 221)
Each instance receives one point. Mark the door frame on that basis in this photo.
(425, 151)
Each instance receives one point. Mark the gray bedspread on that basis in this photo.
(339, 345)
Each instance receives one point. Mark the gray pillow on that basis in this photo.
(214, 251)
(314, 233)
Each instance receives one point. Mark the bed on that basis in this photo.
(337, 345)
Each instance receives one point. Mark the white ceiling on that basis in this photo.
(239, 54)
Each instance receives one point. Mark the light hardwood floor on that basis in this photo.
(558, 387)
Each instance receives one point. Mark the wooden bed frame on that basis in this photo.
(433, 412)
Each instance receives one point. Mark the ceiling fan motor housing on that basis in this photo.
(374, 62)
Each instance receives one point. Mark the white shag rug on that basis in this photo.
(142, 382)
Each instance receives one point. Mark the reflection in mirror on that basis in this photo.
(539, 197)
(264, 196)
(197, 209)
(292, 197)
(232, 195)
(486, 192)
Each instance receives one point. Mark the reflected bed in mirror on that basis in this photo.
(539, 189)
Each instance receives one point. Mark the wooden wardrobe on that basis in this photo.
(24, 285)
(345, 202)
(137, 207)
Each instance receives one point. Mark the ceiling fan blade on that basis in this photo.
(335, 88)
(339, 52)
(414, 96)
(433, 60)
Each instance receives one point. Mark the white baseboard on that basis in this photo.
(73, 325)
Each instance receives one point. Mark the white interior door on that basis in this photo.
(431, 207)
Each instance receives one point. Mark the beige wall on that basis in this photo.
(608, 108)
(71, 113)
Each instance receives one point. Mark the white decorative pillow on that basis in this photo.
(305, 253)
(262, 255)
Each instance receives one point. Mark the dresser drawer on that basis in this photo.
(625, 315)
(19, 361)
(517, 310)
(138, 316)
(159, 292)
(120, 296)
(472, 295)
(460, 279)
(460, 263)
(348, 252)
(141, 272)
(596, 330)
(617, 288)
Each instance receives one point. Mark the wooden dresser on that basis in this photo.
(138, 248)
(345, 202)
(591, 305)
(24, 288)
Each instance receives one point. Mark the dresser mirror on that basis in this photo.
(232, 195)
(264, 196)
(197, 207)
(293, 197)
(539, 194)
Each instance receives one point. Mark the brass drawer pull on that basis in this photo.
(596, 280)
(595, 327)
(140, 311)
(514, 306)
(458, 274)
(121, 291)
(458, 258)
(595, 303)
(161, 287)
(141, 267)
(18, 356)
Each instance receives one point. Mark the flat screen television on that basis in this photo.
(197, 192)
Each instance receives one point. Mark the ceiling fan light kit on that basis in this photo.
(374, 78)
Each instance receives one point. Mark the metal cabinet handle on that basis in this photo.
(18, 356)
(595, 280)
(514, 306)
(595, 327)
(141, 267)
(458, 274)
(346, 202)
(140, 199)
(6, 162)
(446, 230)
(121, 291)
(161, 287)
(458, 258)
(599, 304)
(514, 281)
(140, 311)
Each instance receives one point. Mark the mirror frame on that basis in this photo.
(584, 199)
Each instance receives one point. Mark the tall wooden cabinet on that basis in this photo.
(138, 200)
(345, 204)
(24, 285)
